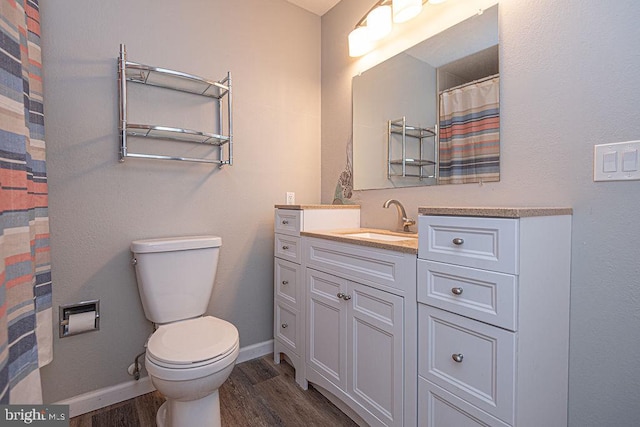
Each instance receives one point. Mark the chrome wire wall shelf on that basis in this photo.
(411, 167)
(186, 135)
(183, 82)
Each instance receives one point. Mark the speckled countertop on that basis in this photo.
(303, 207)
(409, 246)
(504, 212)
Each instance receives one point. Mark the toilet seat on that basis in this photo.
(192, 343)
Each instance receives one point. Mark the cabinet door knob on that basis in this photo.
(285, 247)
(457, 291)
(340, 295)
(285, 282)
(458, 241)
(284, 326)
(457, 357)
(285, 221)
(346, 297)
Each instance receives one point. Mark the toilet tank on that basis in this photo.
(175, 275)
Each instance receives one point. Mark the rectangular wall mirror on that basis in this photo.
(430, 115)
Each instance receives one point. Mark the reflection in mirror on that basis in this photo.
(430, 115)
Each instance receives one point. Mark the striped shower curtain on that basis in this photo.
(470, 133)
(25, 268)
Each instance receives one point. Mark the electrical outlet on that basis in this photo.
(291, 198)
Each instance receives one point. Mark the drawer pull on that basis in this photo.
(340, 295)
(285, 247)
(346, 297)
(285, 221)
(457, 291)
(457, 357)
(458, 241)
(284, 326)
(285, 282)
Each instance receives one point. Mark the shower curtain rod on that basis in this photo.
(473, 82)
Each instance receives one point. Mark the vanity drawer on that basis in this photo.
(288, 221)
(287, 247)
(470, 359)
(486, 243)
(383, 269)
(288, 280)
(482, 295)
(286, 326)
(437, 407)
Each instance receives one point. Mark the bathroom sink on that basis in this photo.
(381, 236)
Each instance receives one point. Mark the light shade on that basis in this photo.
(379, 22)
(403, 10)
(359, 42)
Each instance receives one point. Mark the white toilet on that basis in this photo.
(189, 356)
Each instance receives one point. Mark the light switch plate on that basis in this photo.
(617, 161)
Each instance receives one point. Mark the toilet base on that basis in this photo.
(203, 412)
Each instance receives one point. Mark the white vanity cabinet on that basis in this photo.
(361, 328)
(289, 324)
(493, 317)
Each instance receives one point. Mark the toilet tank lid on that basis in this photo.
(175, 244)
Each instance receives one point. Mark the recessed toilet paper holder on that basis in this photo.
(87, 312)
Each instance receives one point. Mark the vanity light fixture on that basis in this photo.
(359, 42)
(377, 22)
(403, 10)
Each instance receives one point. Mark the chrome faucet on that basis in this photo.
(406, 222)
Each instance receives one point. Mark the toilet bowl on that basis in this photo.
(189, 356)
(187, 362)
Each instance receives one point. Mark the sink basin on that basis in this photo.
(381, 236)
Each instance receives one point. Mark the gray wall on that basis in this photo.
(569, 80)
(98, 205)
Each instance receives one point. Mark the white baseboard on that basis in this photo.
(254, 351)
(104, 397)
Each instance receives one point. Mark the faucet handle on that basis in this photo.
(409, 221)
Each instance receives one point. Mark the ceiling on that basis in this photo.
(319, 7)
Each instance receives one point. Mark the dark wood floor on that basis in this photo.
(258, 393)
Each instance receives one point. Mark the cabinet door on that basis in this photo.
(375, 351)
(326, 326)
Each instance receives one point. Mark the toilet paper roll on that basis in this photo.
(82, 322)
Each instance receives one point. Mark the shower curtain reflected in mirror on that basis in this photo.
(469, 149)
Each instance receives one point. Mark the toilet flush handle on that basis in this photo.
(134, 261)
